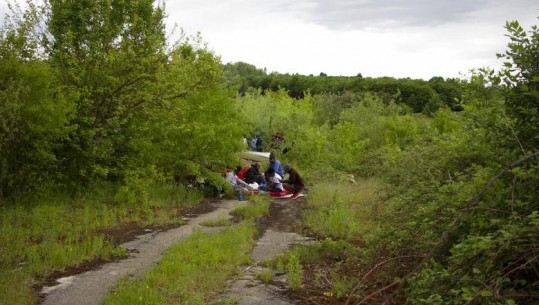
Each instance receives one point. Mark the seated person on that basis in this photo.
(240, 172)
(253, 175)
(294, 183)
(275, 164)
(274, 181)
(237, 183)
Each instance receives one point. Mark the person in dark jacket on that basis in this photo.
(253, 175)
(294, 183)
(259, 143)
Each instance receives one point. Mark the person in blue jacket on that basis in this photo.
(275, 164)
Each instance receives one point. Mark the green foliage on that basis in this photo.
(327, 250)
(336, 218)
(343, 286)
(450, 91)
(364, 125)
(265, 276)
(111, 101)
(521, 75)
(294, 269)
(343, 211)
(258, 206)
(461, 188)
(108, 54)
(203, 119)
(420, 95)
(467, 201)
(96, 94)
(33, 123)
(445, 121)
(57, 231)
(220, 222)
(236, 75)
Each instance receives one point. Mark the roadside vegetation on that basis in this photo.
(192, 271)
(420, 192)
(259, 206)
(59, 232)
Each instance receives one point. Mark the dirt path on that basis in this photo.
(89, 288)
(279, 230)
(248, 288)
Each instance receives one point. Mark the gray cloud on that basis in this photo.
(384, 14)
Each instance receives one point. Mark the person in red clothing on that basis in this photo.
(294, 184)
(240, 172)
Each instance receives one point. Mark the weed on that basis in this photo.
(190, 271)
(342, 211)
(280, 264)
(342, 286)
(219, 222)
(328, 249)
(59, 231)
(294, 270)
(265, 276)
(227, 302)
(254, 210)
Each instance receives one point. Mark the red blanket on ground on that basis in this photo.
(279, 194)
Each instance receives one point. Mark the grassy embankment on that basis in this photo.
(58, 232)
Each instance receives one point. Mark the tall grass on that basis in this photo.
(258, 206)
(191, 271)
(58, 232)
(343, 210)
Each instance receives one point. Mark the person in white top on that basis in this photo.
(237, 183)
(274, 181)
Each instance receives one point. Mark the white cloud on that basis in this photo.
(399, 38)
(3, 11)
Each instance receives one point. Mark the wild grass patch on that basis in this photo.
(57, 232)
(221, 221)
(257, 206)
(343, 211)
(191, 271)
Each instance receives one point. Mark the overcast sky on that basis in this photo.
(399, 38)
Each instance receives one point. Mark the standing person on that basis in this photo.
(259, 143)
(244, 139)
(275, 164)
(294, 183)
(253, 143)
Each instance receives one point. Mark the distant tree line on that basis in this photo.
(420, 95)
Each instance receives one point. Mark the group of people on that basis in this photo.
(272, 180)
(277, 142)
(256, 143)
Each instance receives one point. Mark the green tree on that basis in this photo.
(33, 113)
(238, 75)
(108, 53)
(96, 92)
(521, 75)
